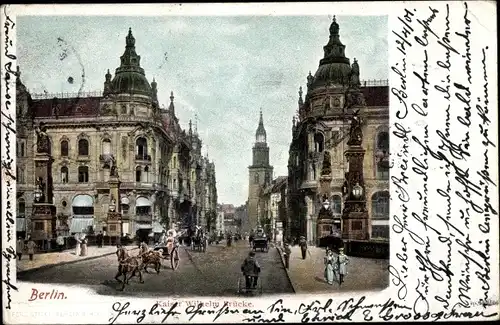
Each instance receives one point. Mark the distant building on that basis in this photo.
(272, 205)
(260, 173)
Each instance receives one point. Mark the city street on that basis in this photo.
(213, 273)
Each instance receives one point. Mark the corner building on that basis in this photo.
(320, 127)
(163, 176)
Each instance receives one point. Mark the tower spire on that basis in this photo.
(196, 124)
(260, 134)
(301, 101)
(171, 107)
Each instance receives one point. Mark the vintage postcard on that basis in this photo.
(249, 162)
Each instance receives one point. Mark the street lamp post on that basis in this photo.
(355, 215)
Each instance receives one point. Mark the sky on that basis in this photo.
(222, 69)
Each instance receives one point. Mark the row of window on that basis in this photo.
(382, 142)
(379, 201)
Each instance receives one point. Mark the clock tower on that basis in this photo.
(260, 173)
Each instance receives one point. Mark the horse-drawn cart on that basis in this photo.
(260, 243)
(170, 251)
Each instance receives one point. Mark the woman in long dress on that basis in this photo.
(84, 245)
(78, 245)
(329, 260)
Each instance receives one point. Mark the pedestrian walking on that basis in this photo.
(84, 242)
(287, 251)
(342, 261)
(20, 247)
(78, 247)
(303, 246)
(31, 248)
(60, 242)
(99, 238)
(329, 262)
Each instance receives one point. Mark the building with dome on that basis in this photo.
(260, 175)
(164, 180)
(320, 139)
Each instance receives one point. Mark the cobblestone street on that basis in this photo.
(213, 273)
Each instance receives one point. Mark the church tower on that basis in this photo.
(260, 173)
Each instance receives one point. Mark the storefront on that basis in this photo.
(82, 220)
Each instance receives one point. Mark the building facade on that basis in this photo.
(320, 134)
(164, 181)
(260, 174)
(272, 210)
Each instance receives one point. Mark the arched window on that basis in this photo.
(141, 145)
(138, 173)
(106, 147)
(64, 174)
(319, 142)
(383, 141)
(20, 175)
(256, 179)
(382, 155)
(64, 148)
(83, 174)
(21, 208)
(336, 204)
(146, 174)
(83, 147)
(380, 205)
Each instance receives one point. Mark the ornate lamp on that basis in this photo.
(326, 204)
(357, 191)
(38, 194)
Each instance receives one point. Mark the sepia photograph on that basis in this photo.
(203, 155)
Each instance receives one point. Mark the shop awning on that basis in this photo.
(157, 227)
(144, 226)
(80, 224)
(142, 202)
(20, 224)
(83, 200)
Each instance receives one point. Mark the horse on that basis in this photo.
(151, 258)
(127, 265)
(199, 240)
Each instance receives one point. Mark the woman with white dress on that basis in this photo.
(78, 244)
(329, 261)
(84, 246)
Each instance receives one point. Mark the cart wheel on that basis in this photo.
(174, 259)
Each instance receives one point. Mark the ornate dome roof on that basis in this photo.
(334, 67)
(129, 77)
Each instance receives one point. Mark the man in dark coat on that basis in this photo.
(303, 246)
(251, 270)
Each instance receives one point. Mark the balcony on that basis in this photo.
(143, 157)
(144, 218)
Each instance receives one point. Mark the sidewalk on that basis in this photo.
(65, 257)
(307, 275)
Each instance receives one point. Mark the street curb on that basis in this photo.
(48, 266)
(286, 270)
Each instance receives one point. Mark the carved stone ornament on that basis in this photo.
(327, 164)
(42, 140)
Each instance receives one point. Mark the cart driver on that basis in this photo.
(170, 239)
(251, 270)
